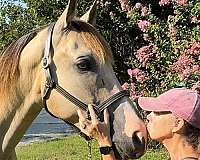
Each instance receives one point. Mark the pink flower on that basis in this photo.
(164, 2)
(124, 5)
(144, 11)
(138, 5)
(132, 87)
(195, 68)
(140, 77)
(184, 67)
(136, 71)
(145, 53)
(194, 19)
(182, 63)
(130, 73)
(194, 49)
(138, 74)
(181, 2)
(133, 92)
(125, 86)
(187, 72)
(144, 25)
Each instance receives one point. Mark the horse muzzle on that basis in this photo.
(130, 147)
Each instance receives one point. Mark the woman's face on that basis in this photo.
(160, 125)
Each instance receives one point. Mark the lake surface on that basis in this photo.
(46, 127)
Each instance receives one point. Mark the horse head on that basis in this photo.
(78, 61)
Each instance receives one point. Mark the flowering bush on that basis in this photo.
(161, 42)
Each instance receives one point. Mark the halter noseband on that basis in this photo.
(51, 84)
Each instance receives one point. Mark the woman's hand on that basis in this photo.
(94, 128)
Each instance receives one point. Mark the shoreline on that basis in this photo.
(40, 138)
(43, 137)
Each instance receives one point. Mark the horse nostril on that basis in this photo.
(139, 142)
(140, 136)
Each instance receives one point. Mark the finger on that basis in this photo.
(81, 124)
(92, 113)
(106, 117)
(82, 120)
(84, 125)
(81, 115)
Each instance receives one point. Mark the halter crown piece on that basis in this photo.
(50, 84)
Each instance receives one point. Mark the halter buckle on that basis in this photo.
(45, 62)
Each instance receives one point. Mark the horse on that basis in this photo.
(62, 67)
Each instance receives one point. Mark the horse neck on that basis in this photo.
(23, 104)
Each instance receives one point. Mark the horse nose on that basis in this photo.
(135, 148)
(139, 132)
(138, 138)
(139, 142)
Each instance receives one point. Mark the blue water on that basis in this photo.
(46, 127)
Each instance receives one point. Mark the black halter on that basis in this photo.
(51, 84)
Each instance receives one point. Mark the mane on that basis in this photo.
(9, 61)
(93, 40)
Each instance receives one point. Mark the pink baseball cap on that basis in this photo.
(182, 102)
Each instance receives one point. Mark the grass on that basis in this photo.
(71, 148)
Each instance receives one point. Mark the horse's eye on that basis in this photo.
(84, 65)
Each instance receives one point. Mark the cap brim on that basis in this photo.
(152, 104)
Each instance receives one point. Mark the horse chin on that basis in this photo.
(122, 154)
(129, 153)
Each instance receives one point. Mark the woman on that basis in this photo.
(174, 121)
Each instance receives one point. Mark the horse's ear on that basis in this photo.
(68, 13)
(90, 16)
(64, 20)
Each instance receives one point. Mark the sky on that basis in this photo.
(17, 2)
